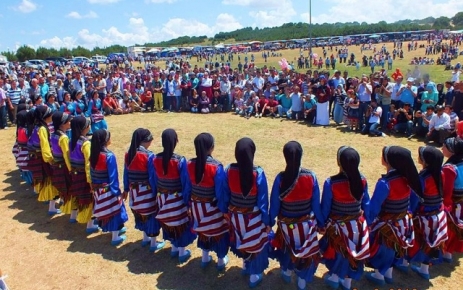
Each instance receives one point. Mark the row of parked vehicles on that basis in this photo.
(45, 64)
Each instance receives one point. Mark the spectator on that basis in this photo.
(310, 108)
(383, 94)
(261, 105)
(404, 117)
(285, 103)
(111, 106)
(14, 96)
(453, 120)
(340, 95)
(364, 91)
(423, 121)
(215, 106)
(449, 95)
(374, 120)
(148, 101)
(323, 95)
(439, 127)
(272, 105)
(204, 103)
(296, 104)
(3, 103)
(408, 93)
(194, 102)
(157, 87)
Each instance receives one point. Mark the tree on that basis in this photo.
(441, 23)
(458, 19)
(25, 52)
(9, 55)
(42, 53)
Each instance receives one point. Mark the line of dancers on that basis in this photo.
(412, 220)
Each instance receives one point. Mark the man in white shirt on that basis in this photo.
(395, 95)
(439, 127)
(258, 82)
(374, 120)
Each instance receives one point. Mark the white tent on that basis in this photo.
(220, 45)
(153, 50)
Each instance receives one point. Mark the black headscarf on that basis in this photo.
(41, 113)
(401, 160)
(433, 158)
(60, 118)
(169, 141)
(244, 155)
(204, 142)
(293, 155)
(22, 107)
(349, 161)
(455, 146)
(30, 122)
(78, 124)
(99, 140)
(139, 136)
(21, 120)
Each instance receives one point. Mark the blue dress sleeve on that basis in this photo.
(366, 202)
(223, 196)
(415, 199)
(152, 174)
(316, 205)
(262, 195)
(62, 107)
(275, 201)
(218, 181)
(327, 199)
(126, 177)
(185, 180)
(113, 174)
(379, 196)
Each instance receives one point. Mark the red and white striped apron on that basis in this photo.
(142, 199)
(97, 117)
(208, 219)
(250, 233)
(356, 237)
(402, 229)
(106, 204)
(22, 157)
(301, 238)
(172, 211)
(434, 228)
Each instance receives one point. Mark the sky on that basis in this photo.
(90, 23)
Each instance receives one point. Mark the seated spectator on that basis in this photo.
(391, 120)
(374, 120)
(148, 101)
(439, 127)
(111, 106)
(453, 120)
(194, 102)
(272, 105)
(285, 103)
(215, 106)
(296, 104)
(136, 102)
(310, 108)
(404, 117)
(204, 103)
(261, 106)
(239, 104)
(423, 121)
(249, 104)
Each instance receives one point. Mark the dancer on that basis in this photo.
(40, 159)
(171, 183)
(140, 183)
(295, 202)
(391, 227)
(429, 218)
(206, 177)
(79, 191)
(453, 196)
(345, 205)
(246, 196)
(109, 206)
(61, 166)
(20, 147)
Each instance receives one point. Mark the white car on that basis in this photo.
(82, 59)
(41, 64)
(99, 58)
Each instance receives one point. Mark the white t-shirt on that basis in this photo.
(375, 118)
(456, 76)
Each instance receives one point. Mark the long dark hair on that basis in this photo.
(99, 141)
(41, 113)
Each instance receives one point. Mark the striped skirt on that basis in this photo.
(61, 179)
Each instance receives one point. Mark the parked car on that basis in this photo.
(28, 64)
(41, 64)
(57, 60)
(78, 60)
(99, 58)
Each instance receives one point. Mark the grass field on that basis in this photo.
(39, 252)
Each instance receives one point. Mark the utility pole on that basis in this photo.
(310, 33)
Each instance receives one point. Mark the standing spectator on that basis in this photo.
(408, 93)
(78, 84)
(14, 96)
(453, 120)
(323, 95)
(449, 95)
(101, 87)
(364, 91)
(3, 102)
(178, 93)
(186, 92)
(258, 82)
(225, 87)
(296, 104)
(395, 95)
(383, 95)
(157, 87)
(439, 127)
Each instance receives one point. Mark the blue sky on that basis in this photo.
(57, 23)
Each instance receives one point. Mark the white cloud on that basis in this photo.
(139, 33)
(26, 6)
(102, 1)
(389, 11)
(77, 15)
(253, 3)
(278, 15)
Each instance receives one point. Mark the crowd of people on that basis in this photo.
(411, 221)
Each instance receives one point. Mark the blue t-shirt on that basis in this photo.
(407, 97)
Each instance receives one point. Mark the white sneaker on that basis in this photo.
(383, 135)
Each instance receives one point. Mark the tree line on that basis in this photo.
(283, 32)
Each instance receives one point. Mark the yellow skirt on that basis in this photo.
(68, 206)
(85, 215)
(47, 191)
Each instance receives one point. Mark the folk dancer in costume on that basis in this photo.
(95, 112)
(391, 225)
(206, 177)
(109, 206)
(40, 159)
(429, 217)
(139, 184)
(61, 166)
(246, 196)
(80, 193)
(171, 183)
(453, 196)
(20, 147)
(345, 206)
(295, 208)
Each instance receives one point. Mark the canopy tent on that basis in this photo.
(153, 50)
(220, 45)
(255, 42)
(456, 31)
